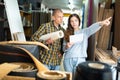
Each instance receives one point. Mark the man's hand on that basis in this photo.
(49, 41)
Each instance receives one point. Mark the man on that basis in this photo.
(50, 58)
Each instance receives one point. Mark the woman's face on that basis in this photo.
(74, 22)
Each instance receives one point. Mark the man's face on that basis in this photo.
(58, 18)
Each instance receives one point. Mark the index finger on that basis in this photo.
(109, 18)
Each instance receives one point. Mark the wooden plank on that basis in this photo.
(103, 56)
(17, 78)
(107, 29)
(100, 16)
(104, 33)
(116, 41)
(108, 4)
(5, 68)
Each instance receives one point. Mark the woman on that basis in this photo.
(76, 50)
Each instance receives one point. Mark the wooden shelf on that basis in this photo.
(26, 18)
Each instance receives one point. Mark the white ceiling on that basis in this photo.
(63, 4)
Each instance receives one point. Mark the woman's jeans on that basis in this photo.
(70, 64)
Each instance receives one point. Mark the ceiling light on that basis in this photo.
(70, 5)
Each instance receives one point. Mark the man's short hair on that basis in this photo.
(56, 10)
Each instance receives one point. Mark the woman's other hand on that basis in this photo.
(68, 45)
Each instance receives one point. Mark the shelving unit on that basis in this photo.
(27, 23)
(31, 20)
(4, 27)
